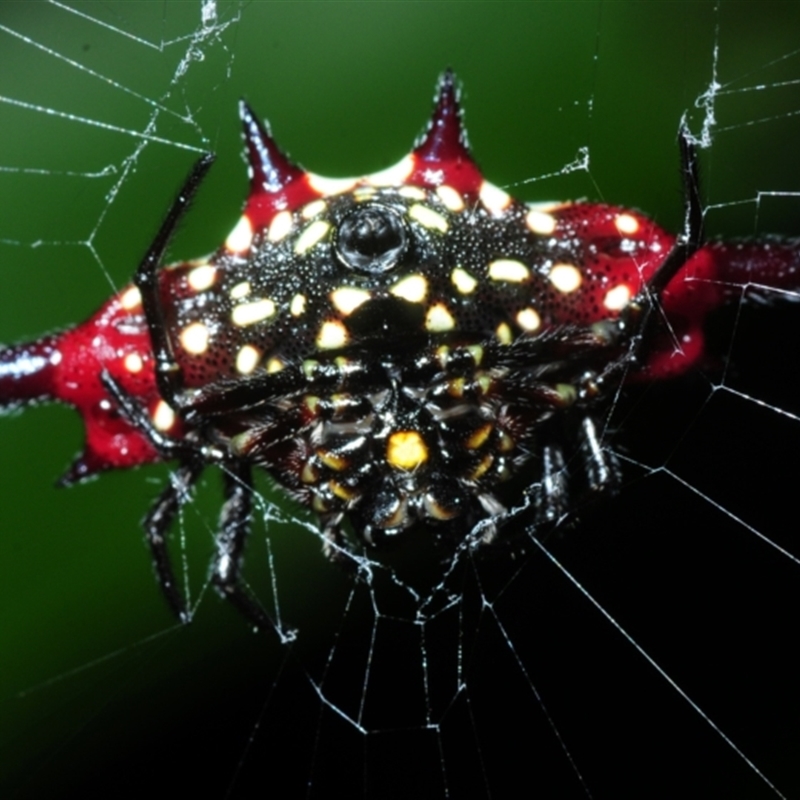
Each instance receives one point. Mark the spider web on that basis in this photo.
(644, 650)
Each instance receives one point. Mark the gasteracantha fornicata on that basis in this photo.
(392, 348)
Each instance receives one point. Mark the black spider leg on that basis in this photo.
(156, 524)
(601, 466)
(230, 540)
(168, 374)
(165, 507)
(686, 245)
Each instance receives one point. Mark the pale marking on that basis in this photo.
(202, 278)
(133, 362)
(529, 320)
(251, 313)
(131, 298)
(412, 288)
(540, 222)
(310, 210)
(406, 450)
(565, 277)
(311, 235)
(392, 176)
(428, 218)
(281, 225)
(163, 416)
(503, 333)
(439, 319)
(507, 269)
(275, 365)
(452, 200)
(241, 237)
(347, 299)
(331, 335)
(626, 223)
(298, 305)
(247, 359)
(326, 186)
(240, 290)
(363, 193)
(463, 281)
(494, 199)
(194, 338)
(412, 193)
(617, 298)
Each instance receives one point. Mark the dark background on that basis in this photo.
(98, 687)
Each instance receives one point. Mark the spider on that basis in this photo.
(392, 348)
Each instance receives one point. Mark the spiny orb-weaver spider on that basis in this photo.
(390, 348)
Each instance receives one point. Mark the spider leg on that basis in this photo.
(156, 524)
(234, 525)
(167, 448)
(168, 375)
(552, 493)
(600, 465)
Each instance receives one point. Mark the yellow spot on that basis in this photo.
(275, 365)
(412, 288)
(485, 381)
(443, 355)
(311, 235)
(540, 222)
(617, 298)
(332, 460)
(463, 281)
(439, 319)
(483, 467)
(240, 290)
(436, 510)
(428, 218)
(312, 403)
(247, 359)
(477, 353)
(565, 277)
(394, 175)
(310, 210)
(406, 450)
(241, 237)
(455, 387)
(310, 367)
(567, 393)
(503, 333)
(341, 491)
(450, 197)
(249, 313)
(506, 444)
(529, 320)
(507, 269)
(131, 298)
(362, 193)
(309, 473)
(323, 185)
(331, 335)
(298, 305)
(478, 437)
(494, 199)
(280, 226)
(626, 223)
(347, 299)
(412, 193)
(318, 505)
(202, 277)
(133, 362)
(163, 416)
(194, 338)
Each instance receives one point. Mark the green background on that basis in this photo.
(91, 665)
